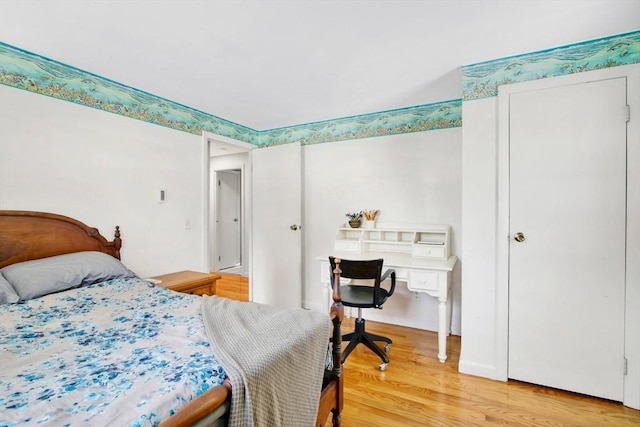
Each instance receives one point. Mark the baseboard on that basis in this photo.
(393, 320)
(456, 329)
(312, 306)
(477, 369)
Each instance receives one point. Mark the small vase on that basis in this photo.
(354, 223)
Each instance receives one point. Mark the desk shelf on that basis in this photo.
(430, 241)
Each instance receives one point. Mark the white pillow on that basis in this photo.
(7, 293)
(35, 278)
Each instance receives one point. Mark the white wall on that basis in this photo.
(106, 170)
(412, 178)
(479, 202)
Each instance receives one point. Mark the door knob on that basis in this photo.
(294, 227)
(519, 237)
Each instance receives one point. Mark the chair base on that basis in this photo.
(360, 336)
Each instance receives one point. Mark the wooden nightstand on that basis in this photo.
(190, 282)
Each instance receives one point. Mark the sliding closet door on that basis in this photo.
(567, 230)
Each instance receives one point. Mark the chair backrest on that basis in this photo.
(361, 270)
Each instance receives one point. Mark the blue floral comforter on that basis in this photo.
(117, 353)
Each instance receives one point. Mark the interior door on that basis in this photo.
(567, 265)
(228, 219)
(276, 274)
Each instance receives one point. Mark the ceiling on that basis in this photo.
(268, 64)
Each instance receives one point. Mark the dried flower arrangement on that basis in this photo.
(354, 216)
(370, 215)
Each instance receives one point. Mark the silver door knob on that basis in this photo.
(519, 237)
(294, 227)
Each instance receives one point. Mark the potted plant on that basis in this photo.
(355, 219)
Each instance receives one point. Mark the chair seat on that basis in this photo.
(361, 296)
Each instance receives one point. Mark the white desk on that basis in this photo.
(431, 276)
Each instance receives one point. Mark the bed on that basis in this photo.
(83, 340)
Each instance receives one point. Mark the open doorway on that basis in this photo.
(229, 210)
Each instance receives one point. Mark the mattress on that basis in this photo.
(120, 352)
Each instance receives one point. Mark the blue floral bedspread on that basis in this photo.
(116, 353)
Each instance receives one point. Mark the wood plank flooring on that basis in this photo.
(232, 286)
(417, 390)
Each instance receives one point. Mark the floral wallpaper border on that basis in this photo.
(35, 73)
(28, 71)
(481, 80)
(441, 115)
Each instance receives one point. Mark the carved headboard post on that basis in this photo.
(117, 241)
(337, 314)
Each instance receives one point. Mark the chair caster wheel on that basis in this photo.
(386, 347)
(382, 366)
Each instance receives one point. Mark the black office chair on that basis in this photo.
(364, 296)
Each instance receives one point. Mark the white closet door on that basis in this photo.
(567, 198)
(276, 274)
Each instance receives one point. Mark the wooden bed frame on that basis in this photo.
(27, 235)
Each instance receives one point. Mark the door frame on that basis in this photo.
(632, 287)
(230, 146)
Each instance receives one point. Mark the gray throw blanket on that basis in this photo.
(274, 358)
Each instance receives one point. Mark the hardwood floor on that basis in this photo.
(417, 390)
(232, 286)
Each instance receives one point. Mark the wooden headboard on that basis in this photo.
(27, 235)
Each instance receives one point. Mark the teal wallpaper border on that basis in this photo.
(481, 80)
(35, 73)
(31, 72)
(441, 115)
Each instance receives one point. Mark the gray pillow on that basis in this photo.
(7, 293)
(35, 278)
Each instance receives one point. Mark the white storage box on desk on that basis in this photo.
(428, 250)
(431, 243)
(349, 240)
